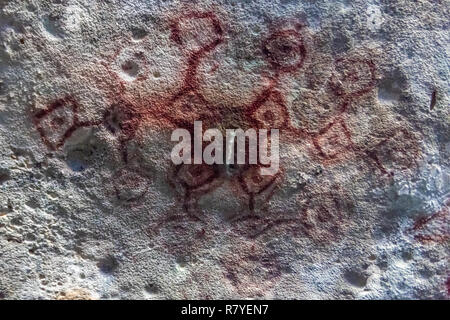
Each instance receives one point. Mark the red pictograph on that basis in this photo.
(323, 216)
(398, 149)
(191, 181)
(353, 77)
(284, 50)
(254, 184)
(57, 122)
(333, 140)
(433, 228)
(197, 33)
(269, 111)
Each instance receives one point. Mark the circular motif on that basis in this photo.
(285, 50)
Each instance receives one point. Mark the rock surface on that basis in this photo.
(91, 207)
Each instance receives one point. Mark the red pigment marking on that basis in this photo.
(284, 50)
(372, 155)
(350, 80)
(441, 235)
(269, 107)
(188, 104)
(59, 127)
(122, 119)
(196, 180)
(353, 78)
(322, 220)
(268, 101)
(196, 56)
(253, 226)
(193, 181)
(190, 80)
(187, 107)
(400, 148)
(253, 183)
(267, 110)
(285, 53)
(334, 140)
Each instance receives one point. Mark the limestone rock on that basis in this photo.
(91, 206)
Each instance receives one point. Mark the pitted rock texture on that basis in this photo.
(91, 206)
